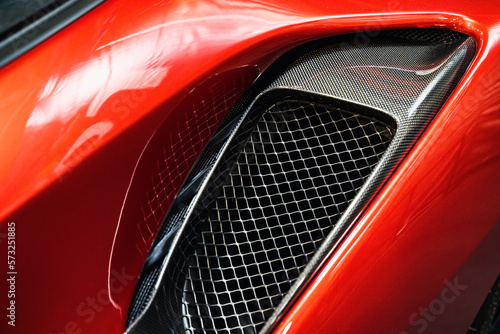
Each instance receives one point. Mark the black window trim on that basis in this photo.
(19, 42)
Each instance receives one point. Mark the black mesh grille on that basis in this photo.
(301, 167)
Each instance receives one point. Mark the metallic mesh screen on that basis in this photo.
(299, 170)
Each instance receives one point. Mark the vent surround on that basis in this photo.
(286, 174)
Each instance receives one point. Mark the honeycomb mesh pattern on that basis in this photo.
(204, 110)
(299, 170)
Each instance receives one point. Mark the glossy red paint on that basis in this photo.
(85, 114)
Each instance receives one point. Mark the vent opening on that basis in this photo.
(298, 172)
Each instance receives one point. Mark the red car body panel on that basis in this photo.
(101, 123)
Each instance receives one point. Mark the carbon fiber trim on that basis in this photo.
(394, 77)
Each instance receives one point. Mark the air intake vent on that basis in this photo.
(301, 167)
(286, 174)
